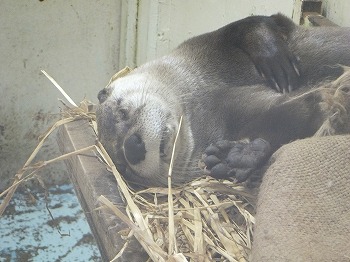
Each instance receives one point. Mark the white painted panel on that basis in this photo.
(337, 11)
(128, 33)
(164, 24)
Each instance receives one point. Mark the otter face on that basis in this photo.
(137, 127)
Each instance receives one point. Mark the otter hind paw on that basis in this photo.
(237, 159)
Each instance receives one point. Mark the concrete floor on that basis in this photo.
(28, 233)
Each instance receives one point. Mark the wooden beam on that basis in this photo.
(91, 179)
(302, 6)
(315, 19)
(308, 13)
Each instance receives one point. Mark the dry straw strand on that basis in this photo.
(53, 81)
(172, 236)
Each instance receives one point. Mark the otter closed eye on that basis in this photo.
(123, 114)
(165, 140)
(215, 82)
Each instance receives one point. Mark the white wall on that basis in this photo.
(337, 11)
(75, 41)
(163, 24)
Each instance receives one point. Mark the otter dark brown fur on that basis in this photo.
(220, 83)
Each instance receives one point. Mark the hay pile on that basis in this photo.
(206, 220)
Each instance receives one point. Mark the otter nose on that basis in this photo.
(134, 149)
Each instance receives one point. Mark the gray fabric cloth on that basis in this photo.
(303, 210)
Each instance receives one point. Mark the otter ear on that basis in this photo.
(103, 94)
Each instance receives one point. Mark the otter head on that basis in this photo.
(137, 120)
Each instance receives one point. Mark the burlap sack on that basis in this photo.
(303, 211)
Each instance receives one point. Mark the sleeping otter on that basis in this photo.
(220, 83)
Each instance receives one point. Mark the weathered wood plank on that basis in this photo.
(92, 179)
(315, 19)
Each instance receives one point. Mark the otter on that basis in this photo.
(242, 90)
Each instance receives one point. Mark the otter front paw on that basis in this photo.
(238, 159)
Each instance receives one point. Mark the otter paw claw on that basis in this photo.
(238, 159)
